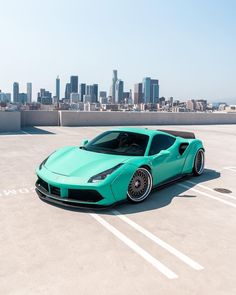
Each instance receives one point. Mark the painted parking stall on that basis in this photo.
(179, 241)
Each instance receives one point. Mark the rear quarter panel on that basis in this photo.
(194, 146)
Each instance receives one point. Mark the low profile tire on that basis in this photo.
(199, 162)
(140, 185)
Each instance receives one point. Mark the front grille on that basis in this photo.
(84, 195)
(42, 183)
(55, 190)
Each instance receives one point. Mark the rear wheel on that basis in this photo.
(140, 185)
(199, 162)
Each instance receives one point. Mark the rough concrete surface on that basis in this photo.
(49, 250)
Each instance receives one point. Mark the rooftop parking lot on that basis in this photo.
(181, 240)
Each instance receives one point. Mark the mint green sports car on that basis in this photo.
(119, 164)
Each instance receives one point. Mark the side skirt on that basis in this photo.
(170, 181)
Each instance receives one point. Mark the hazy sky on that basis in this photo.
(190, 46)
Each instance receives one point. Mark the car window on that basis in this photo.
(108, 137)
(161, 142)
(119, 143)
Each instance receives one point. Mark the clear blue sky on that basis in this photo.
(190, 46)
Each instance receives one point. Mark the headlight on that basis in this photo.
(101, 176)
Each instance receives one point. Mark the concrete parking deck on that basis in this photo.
(179, 241)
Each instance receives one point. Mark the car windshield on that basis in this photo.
(119, 143)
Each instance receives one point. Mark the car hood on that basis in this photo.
(76, 162)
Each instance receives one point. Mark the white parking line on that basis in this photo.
(210, 189)
(207, 195)
(159, 242)
(233, 169)
(25, 132)
(156, 263)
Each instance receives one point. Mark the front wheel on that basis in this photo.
(140, 185)
(199, 162)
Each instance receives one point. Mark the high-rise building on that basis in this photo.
(95, 92)
(89, 90)
(44, 97)
(113, 87)
(103, 97)
(82, 91)
(146, 90)
(103, 94)
(29, 92)
(5, 97)
(154, 91)
(67, 91)
(119, 91)
(58, 88)
(74, 97)
(150, 90)
(22, 98)
(138, 95)
(92, 92)
(15, 92)
(74, 82)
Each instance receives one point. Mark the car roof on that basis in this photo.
(139, 130)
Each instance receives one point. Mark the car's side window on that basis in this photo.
(161, 142)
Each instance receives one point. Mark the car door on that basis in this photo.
(166, 160)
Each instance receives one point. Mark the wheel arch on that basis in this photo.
(147, 167)
(195, 145)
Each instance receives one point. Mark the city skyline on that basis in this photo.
(73, 85)
(189, 46)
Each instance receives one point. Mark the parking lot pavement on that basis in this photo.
(181, 240)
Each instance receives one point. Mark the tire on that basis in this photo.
(140, 185)
(199, 163)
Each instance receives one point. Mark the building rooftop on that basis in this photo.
(185, 231)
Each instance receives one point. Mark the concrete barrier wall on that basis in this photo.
(13, 121)
(10, 121)
(70, 118)
(39, 118)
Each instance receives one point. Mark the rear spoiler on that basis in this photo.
(183, 134)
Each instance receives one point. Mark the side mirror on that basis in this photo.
(84, 142)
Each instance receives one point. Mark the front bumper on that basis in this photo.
(84, 196)
(62, 202)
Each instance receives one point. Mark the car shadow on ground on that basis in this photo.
(163, 196)
(159, 198)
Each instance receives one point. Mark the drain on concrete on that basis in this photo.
(222, 190)
(187, 196)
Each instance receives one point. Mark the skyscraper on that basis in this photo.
(146, 90)
(119, 91)
(44, 97)
(29, 92)
(5, 97)
(74, 82)
(58, 88)
(150, 90)
(67, 91)
(95, 92)
(92, 93)
(138, 96)
(154, 91)
(114, 79)
(82, 91)
(15, 92)
(22, 98)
